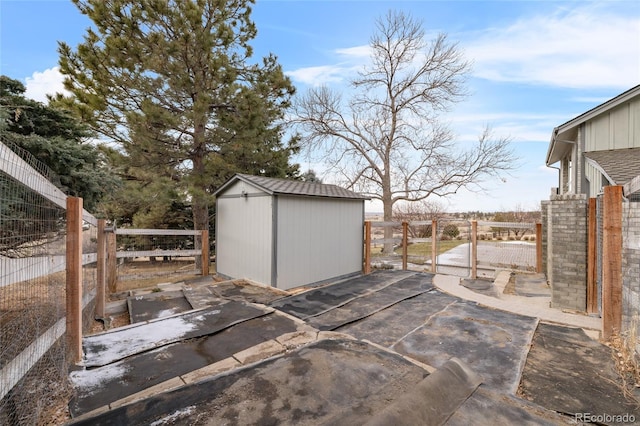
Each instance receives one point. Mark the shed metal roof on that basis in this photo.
(620, 165)
(294, 187)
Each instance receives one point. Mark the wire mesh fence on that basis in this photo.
(144, 260)
(33, 354)
(500, 245)
(506, 245)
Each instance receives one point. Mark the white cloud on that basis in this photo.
(41, 84)
(351, 59)
(317, 76)
(355, 52)
(581, 48)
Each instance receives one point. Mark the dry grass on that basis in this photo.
(627, 361)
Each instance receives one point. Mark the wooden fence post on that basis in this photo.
(538, 248)
(100, 270)
(112, 262)
(405, 245)
(367, 247)
(434, 248)
(474, 249)
(612, 261)
(74, 278)
(204, 243)
(592, 252)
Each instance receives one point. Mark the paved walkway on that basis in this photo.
(531, 306)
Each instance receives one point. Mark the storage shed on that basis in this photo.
(287, 233)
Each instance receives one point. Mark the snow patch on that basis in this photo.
(109, 347)
(176, 415)
(90, 380)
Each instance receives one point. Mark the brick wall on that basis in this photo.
(544, 207)
(567, 250)
(630, 264)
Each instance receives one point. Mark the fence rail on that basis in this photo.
(451, 251)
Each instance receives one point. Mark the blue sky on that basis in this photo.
(537, 64)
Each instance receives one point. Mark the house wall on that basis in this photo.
(567, 250)
(244, 236)
(631, 265)
(317, 239)
(618, 128)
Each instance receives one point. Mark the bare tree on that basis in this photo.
(387, 140)
(420, 211)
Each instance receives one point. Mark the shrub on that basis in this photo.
(450, 230)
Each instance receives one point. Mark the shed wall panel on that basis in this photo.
(317, 239)
(239, 186)
(244, 237)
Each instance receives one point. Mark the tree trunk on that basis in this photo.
(387, 203)
(200, 204)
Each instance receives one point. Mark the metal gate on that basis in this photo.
(453, 242)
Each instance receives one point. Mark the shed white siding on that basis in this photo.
(244, 236)
(317, 239)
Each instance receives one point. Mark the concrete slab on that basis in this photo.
(493, 343)
(568, 372)
(210, 370)
(532, 285)
(259, 352)
(297, 338)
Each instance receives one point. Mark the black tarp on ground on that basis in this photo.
(156, 305)
(328, 382)
(240, 290)
(392, 324)
(321, 299)
(493, 343)
(112, 382)
(105, 348)
(568, 372)
(368, 304)
(488, 407)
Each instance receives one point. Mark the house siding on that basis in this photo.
(618, 128)
(318, 239)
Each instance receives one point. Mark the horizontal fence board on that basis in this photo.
(520, 225)
(385, 240)
(156, 253)
(420, 240)
(11, 164)
(127, 231)
(381, 224)
(30, 268)
(15, 370)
